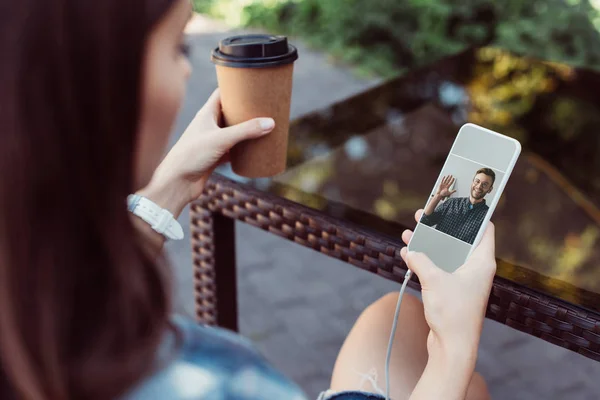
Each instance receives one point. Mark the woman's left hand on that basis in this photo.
(202, 147)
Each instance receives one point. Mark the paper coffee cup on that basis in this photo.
(255, 77)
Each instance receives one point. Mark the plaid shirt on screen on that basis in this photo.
(458, 218)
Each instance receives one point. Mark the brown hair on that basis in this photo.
(82, 310)
(488, 172)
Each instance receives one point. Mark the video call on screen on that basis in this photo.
(469, 181)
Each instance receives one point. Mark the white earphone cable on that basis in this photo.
(393, 333)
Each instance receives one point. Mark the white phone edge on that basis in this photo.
(507, 175)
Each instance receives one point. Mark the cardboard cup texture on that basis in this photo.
(248, 93)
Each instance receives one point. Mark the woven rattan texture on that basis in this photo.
(204, 265)
(545, 317)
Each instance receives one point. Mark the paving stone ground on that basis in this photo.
(297, 305)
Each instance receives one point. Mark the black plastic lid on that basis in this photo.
(254, 51)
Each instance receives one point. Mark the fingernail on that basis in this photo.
(266, 124)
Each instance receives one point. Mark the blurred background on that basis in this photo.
(388, 37)
(298, 305)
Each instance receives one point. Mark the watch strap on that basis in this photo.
(161, 220)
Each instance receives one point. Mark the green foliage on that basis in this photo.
(203, 6)
(385, 37)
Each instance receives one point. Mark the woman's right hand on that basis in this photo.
(455, 303)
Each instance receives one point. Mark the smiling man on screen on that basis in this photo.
(460, 217)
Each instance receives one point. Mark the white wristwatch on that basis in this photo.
(161, 220)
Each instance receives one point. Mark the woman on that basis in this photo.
(90, 91)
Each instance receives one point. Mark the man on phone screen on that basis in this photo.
(460, 217)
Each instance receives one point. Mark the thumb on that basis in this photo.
(252, 129)
(452, 192)
(483, 258)
(421, 265)
(486, 247)
(212, 107)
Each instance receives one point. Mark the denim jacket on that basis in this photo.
(212, 364)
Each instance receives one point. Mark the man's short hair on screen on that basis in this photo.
(488, 172)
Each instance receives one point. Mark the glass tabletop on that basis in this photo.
(374, 158)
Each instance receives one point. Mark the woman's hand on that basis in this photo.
(181, 177)
(455, 303)
(454, 306)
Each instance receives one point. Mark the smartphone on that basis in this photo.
(465, 195)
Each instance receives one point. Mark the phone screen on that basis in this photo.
(464, 195)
